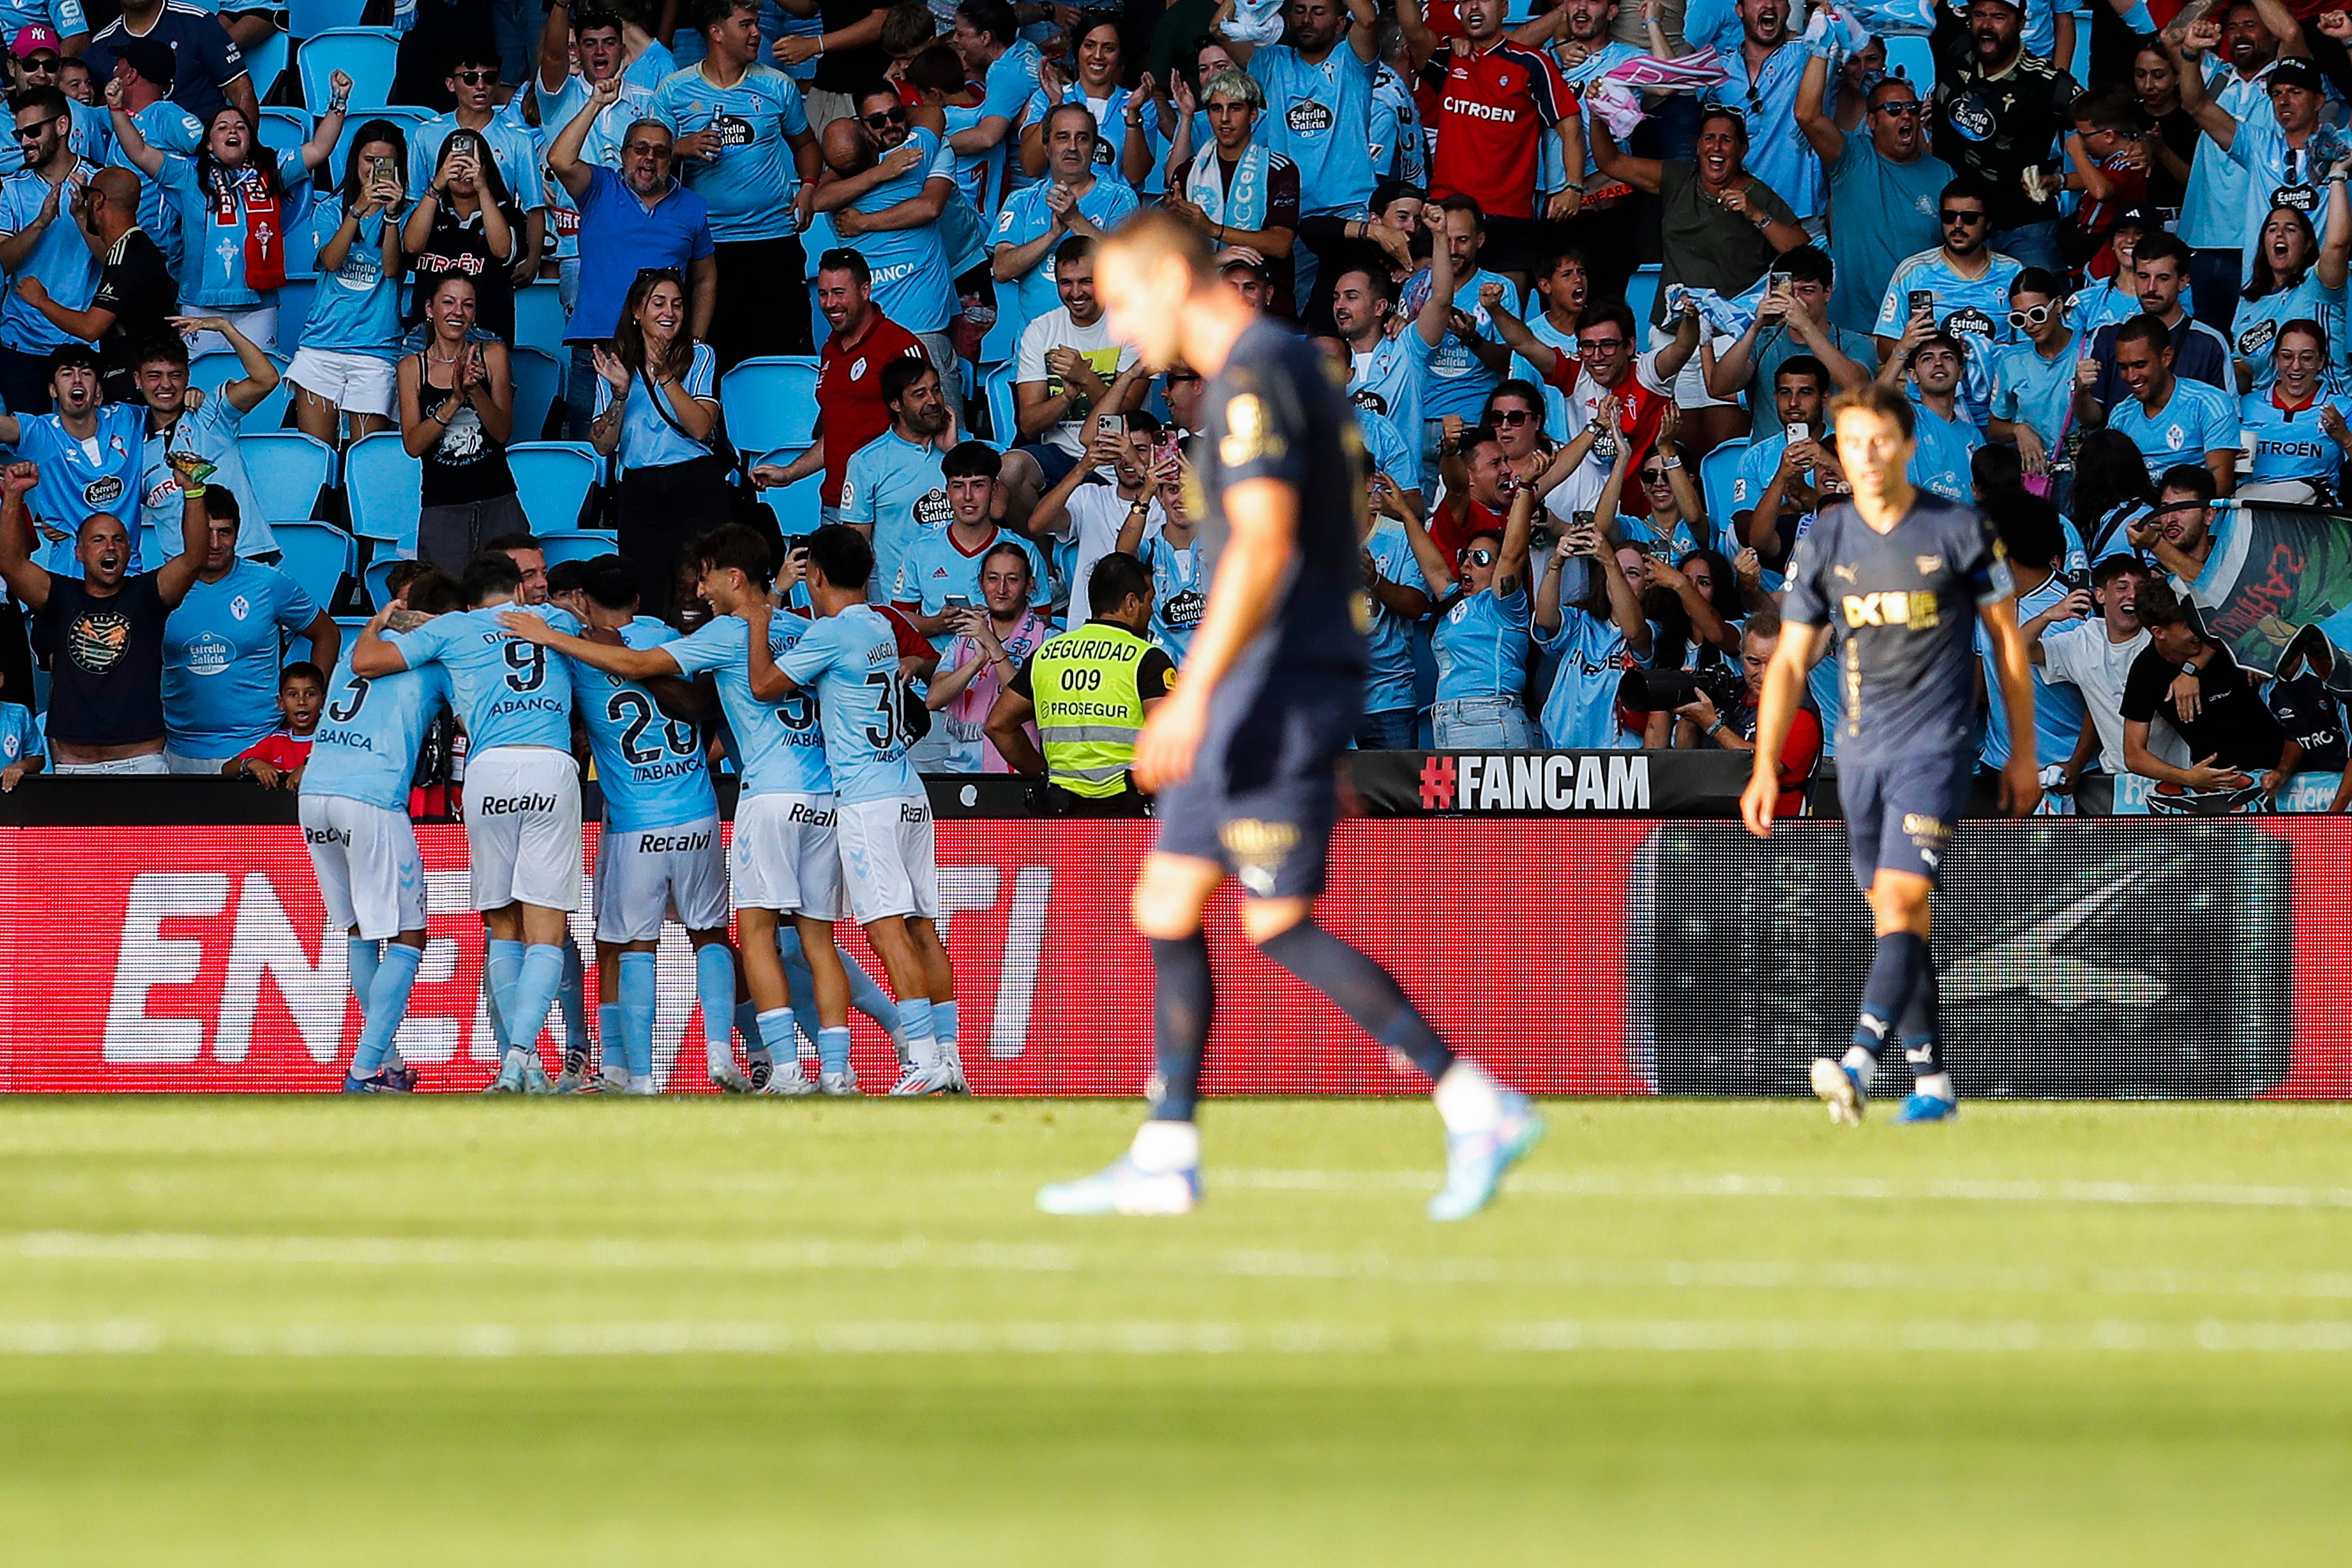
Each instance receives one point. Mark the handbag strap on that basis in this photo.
(720, 447)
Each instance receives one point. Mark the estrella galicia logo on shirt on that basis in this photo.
(2256, 338)
(99, 494)
(932, 508)
(733, 130)
(1185, 609)
(96, 640)
(1372, 402)
(1972, 119)
(1308, 118)
(2301, 198)
(1968, 321)
(210, 654)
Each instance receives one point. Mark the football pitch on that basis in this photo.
(704, 1331)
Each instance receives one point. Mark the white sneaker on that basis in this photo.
(951, 1062)
(720, 1062)
(788, 1079)
(612, 1083)
(841, 1084)
(534, 1075)
(1839, 1090)
(1124, 1189)
(935, 1079)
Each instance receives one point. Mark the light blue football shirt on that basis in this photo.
(778, 744)
(852, 662)
(365, 746)
(649, 766)
(507, 691)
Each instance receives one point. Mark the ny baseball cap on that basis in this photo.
(32, 37)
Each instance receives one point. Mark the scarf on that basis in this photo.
(1245, 206)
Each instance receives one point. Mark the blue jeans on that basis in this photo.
(2032, 244)
(1496, 723)
(1391, 729)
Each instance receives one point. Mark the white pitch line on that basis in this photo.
(110, 1337)
(1867, 1189)
(916, 1254)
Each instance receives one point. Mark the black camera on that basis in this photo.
(1662, 691)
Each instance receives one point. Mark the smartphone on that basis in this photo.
(1799, 432)
(1923, 300)
(1580, 520)
(955, 604)
(1777, 283)
(1163, 450)
(794, 544)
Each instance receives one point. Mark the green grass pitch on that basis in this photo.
(697, 1332)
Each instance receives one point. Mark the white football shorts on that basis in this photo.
(644, 875)
(889, 862)
(369, 873)
(522, 827)
(786, 857)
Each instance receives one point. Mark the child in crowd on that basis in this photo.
(276, 763)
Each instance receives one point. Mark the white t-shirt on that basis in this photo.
(1054, 330)
(1580, 491)
(1096, 514)
(2082, 655)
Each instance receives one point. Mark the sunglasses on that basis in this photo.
(477, 78)
(1181, 377)
(1901, 111)
(40, 62)
(1512, 416)
(31, 132)
(883, 121)
(1952, 215)
(1480, 557)
(1654, 476)
(2034, 317)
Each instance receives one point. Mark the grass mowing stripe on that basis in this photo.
(916, 1253)
(1868, 1188)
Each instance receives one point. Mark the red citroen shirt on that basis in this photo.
(849, 394)
(1492, 112)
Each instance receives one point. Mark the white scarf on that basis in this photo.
(1244, 207)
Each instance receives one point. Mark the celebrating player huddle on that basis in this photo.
(834, 820)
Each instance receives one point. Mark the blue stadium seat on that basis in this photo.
(799, 506)
(769, 402)
(315, 554)
(379, 591)
(1003, 339)
(217, 368)
(539, 321)
(1001, 423)
(385, 486)
(369, 56)
(577, 544)
(294, 297)
(552, 479)
(265, 63)
(1641, 290)
(283, 129)
(308, 18)
(289, 470)
(408, 120)
(1715, 473)
(538, 384)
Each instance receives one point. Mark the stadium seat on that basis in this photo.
(1003, 337)
(384, 486)
(267, 62)
(284, 129)
(769, 402)
(369, 56)
(1641, 289)
(308, 18)
(217, 368)
(294, 297)
(998, 389)
(1914, 62)
(289, 470)
(538, 321)
(315, 554)
(378, 590)
(798, 506)
(577, 544)
(1715, 473)
(538, 384)
(552, 479)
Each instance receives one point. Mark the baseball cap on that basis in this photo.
(151, 57)
(2138, 218)
(2297, 73)
(32, 37)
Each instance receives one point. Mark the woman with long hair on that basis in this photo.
(2293, 278)
(657, 413)
(2111, 491)
(466, 221)
(2297, 429)
(235, 201)
(1101, 65)
(346, 367)
(456, 414)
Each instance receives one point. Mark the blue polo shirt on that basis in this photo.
(624, 237)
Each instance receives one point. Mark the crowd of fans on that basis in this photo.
(2110, 306)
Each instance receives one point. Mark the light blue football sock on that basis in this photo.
(943, 1023)
(776, 1036)
(871, 999)
(608, 1037)
(747, 1024)
(714, 986)
(363, 961)
(833, 1050)
(638, 981)
(534, 993)
(798, 978)
(387, 1004)
(922, 1046)
(572, 993)
(503, 967)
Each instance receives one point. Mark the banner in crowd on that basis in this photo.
(2081, 957)
(2275, 572)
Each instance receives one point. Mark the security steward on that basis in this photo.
(1089, 689)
